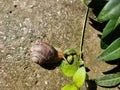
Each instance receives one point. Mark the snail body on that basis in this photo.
(43, 53)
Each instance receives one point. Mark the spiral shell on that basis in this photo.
(43, 53)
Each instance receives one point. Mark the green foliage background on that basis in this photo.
(110, 40)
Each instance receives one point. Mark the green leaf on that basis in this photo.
(109, 28)
(79, 62)
(112, 52)
(109, 80)
(110, 10)
(69, 87)
(79, 76)
(70, 52)
(118, 21)
(68, 70)
(111, 25)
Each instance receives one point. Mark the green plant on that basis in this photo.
(73, 65)
(111, 13)
(110, 40)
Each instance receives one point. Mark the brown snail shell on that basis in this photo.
(43, 53)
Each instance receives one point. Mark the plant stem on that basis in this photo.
(83, 33)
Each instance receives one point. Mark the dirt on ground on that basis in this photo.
(58, 22)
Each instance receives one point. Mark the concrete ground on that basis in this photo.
(58, 22)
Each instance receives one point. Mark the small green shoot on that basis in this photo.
(73, 67)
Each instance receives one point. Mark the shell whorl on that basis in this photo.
(43, 53)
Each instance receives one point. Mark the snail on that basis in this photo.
(43, 53)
